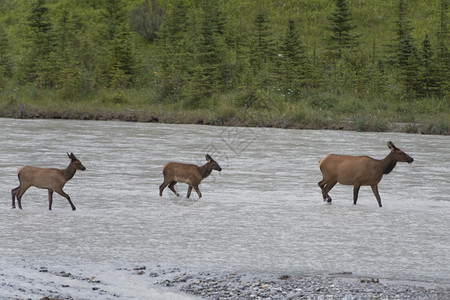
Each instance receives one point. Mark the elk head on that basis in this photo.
(213, 163)
(398, 154)
(77, 163)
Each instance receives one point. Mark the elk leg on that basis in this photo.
(61, 192)
(322, 188)
(20, 193)
(50, 199)
(355, 193)
(198, 191)
(189, 191)
(172, 188)
(13, 194)
(162, 187)
(19, 201)
(328, 188)
(377, 195)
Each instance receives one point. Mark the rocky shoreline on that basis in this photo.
(334, 286)
(141, 282)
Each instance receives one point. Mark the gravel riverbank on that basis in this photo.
(157, 282)
(337, 286)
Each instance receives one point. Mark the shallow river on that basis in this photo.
(262, 213)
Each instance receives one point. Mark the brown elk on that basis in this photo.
(358, 171)
(191, 174)
(50, 179)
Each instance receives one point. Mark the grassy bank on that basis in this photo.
(244, 108)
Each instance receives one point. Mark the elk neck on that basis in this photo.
(205, 170)
(69, 172)
(388, 163)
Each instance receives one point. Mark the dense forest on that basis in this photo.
(300, 62)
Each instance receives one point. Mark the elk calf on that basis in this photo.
(358, 171)
(187, 173)
(50, 179)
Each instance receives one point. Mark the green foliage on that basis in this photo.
(262, 54)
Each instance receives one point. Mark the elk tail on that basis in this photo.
(321, 160)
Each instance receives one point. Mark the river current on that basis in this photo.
(263, 213)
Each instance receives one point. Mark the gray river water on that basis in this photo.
(262, 213)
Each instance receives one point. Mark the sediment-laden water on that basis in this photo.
(262, 213)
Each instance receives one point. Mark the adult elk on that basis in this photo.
(50, 179)
(191, 174)
(358, 171)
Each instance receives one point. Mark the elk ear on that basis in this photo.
(208, 158)
(391, 146)
(71, 155)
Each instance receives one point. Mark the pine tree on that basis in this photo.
(405, 52)
(67, 61)
(262, 54)
(39, 62)
(341, 27)
(174, 57)
(261, 45)
(119, 70)
(176, 34)
(428, 72)
(293, 66)
(209, 48)
(5, 60)
(237, 63)
(146, 19)
(443, 53)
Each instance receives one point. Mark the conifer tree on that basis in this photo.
(427, 76)
(5, 61)
(209, 48)
(119, 69)
(293, 67)
(237, 64)
(405, 52)
(443, 53)
(261, 44)
(261, 55)
(67, 61)
(146, 19)
(341, 27)
(176, 34)
(39, 62)
(174, 56)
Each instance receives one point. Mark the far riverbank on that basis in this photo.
(207, 117)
